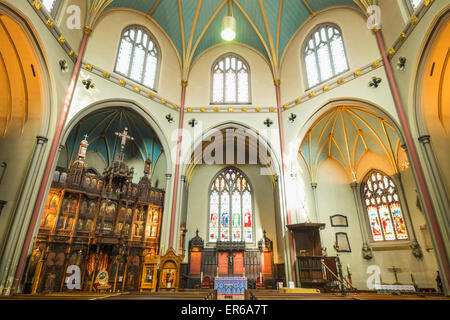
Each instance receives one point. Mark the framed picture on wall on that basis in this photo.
(338, 220)
(342, 242)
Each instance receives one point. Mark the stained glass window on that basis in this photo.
(138, 56)
(51, 6)
(324, 55)
(415, 3)
(382, 203)
(230, 208)
(230, 76)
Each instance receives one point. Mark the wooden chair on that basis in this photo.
(260, 283)
(206, 282)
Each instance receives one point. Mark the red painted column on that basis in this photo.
(177, 164)
(51, 159)
(283, 170)
(423, 188)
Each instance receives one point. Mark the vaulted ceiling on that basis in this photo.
(345, 134)
(101, 127)
(195, 25)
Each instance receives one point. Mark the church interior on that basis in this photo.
(224, 149)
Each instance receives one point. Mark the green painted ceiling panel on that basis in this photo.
(294, 14)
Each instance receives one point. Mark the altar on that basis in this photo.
(230, 287)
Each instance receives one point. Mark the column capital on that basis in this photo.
(314, 185)
(61, 148)
(404, 147)
(276, 82)
(183, 178)
(354, 185)
(425, 139)
(184, 83)
(168, 176)
(41, 140)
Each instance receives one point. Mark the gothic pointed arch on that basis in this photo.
(230, 213)
(382, 204)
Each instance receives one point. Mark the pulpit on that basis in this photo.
(308, 249)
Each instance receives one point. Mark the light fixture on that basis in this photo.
(229, 25)
(228, 28)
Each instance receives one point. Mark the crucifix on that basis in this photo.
(395, 270)
(125, 137)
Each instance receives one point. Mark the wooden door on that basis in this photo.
(238, 263)
(223, 263)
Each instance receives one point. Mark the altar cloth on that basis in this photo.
(230, 285)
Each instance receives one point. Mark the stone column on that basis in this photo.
(366, 250)
(415, 247)
(165, 222)
(438, 185)
(21, 215)
(316, 204)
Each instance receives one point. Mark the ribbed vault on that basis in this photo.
(346, 133)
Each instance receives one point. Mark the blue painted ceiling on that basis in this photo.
(101, 127)
(293, 14)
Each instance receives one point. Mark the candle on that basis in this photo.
(348, 268)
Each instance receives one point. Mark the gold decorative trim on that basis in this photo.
(357, 73)
(87, 30)
(137, 89)
(37, 5)
(106, 75)
(50, 23)
(326, 87)
(61, 39)
(341, 80)
(311, 94)
(163, 101)
(88, 66)
(122, 82)
(271, 109)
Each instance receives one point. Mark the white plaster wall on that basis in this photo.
(335, 196)
(66, 14)
(198, 92)
(103, 47)
(159, 172)
(359, 42)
